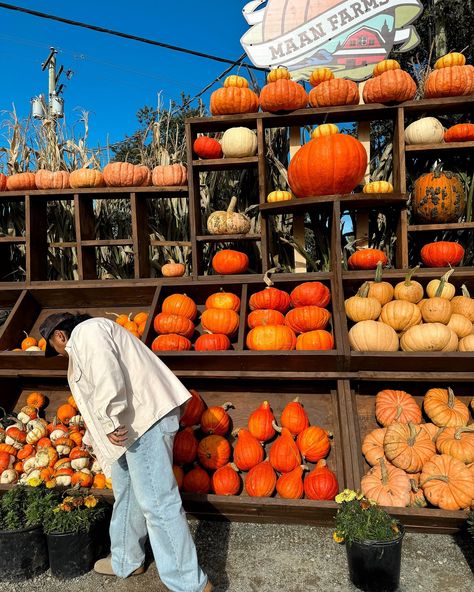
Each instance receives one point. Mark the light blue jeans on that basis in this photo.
(147, 500)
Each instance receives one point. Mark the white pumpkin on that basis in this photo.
(96, 468)
(33, 348)
(427, 130)
(228, 222)
(77, 420)
(29, 464)
(239, 142)
(9, 476)
(81, 463)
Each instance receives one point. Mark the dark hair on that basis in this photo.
(69, 324)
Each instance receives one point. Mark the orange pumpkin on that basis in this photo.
(408, 446)
(169, 175)
(193, 410)
(261, 480)
(310, 294)
(271, 338)
(445, 409)
(230, 262)
(321, 483)
(214, 452)
(212, 342)
(461, 132)
(290, 485)
(65, 412)
(172, 269)
(447, 483)
(248, 452)
(327, 165)
(197, 481)
(260, 422)
(315, 340)
(284, 454)
(265, 316)
(438, 197)
(219, 320)
(392, 86)
(307, 318)
(294, 417)
(171, 342)
(283, 95)
(125, 174)
(392, 406)
(225, 300)
(170, 323)
(21, 182)
(270, 298)
(83, 178)
(28, 342)
(45, 179)
(450, 82)
(99, 481)
(180, 304)
(216, 420)
(3, 182)
(372, 446)
(366, 259)
(337, 91)
(457, 442)
(233, 99)
(313, 443)
(386, 485)
(36, 400)
(226, 481)
(185, 447)
(82, 479)
(442, 254)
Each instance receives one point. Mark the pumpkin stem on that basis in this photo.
(459, 431)
(414, 485)
(443, 478)
(465, 291)
(409, 275)
(321, 463)
(413, 433)
(235, 432)
(276, 427)
(363, 291)
(114, 314)
(305, 467)
(378, 272)
(383, 470)
(296, 400)
(235, 467)
(266, 277)
(232, 204)
(444, 279)
(227, 405)
(451, 398)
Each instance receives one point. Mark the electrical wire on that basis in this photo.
(98, 29)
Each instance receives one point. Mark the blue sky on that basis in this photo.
(114, 77)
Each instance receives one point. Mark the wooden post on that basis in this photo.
(362, 217)
(298, 220)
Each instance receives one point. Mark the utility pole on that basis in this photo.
(53, 109)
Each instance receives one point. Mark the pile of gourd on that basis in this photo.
(203, 454)
(388, 318)
(415, 463)
(34, 451)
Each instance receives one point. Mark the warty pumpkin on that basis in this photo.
(307, 318)
(321, 483)
(447, 483)
(391, 86)
(229, 221)
(220, 320)
(226, 480)
(444, 409)
(442, 254)
(427, 130)
(408, 446)
(450, 82)
(271, 338)
(314, 443)
(426, 337)
(180, 304)
(372, 446)
(386, 485)
(373, 336)
(327, 165)
(409, 290)
(169, 175)
(239, 142)
(283, 95)
(233, 98)
(290, 485)
(438, 197)
(230, 262)
(400, 315)
(366, 259)
(333, 92)
(261, 480)
(214, 452)
(457, 442)
(461, 132)
(362, 308)
(393, 406)
(284, 455)
(260, 422)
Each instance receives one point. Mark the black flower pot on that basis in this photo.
(375, 566)
(23, 554)
(71, 554)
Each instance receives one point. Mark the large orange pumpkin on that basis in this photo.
(283, 95)
(270, 298)
(307, 318)
(271, 338)
(180, 304)
(327, 165)
(442, 254)
(219, 320)
(233, 99)
(265, 317)
(392, 86)
(230, 262)
(438, 197)
(445, 409)
(86, 178)
(336, 91)
(315, 340)
(461, 132)
(450, 82)
(310, 294)
(387, 485)
(170, 175)
(171, 342)
(45, 179)
(125, 174)
(408, 446)
(171, 323)
(447, 483)
(223, 299)
(3, 182)
(21, 182)
(366, 259)
(392, 406)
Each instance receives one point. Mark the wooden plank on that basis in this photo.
(243, 313)
(159, 243)
(36, 239)
(401, 248)
(262, 195)
(298, 218)
(398, 152)
(85, 230)
(440, 105)
(116, 242)
(348, 201)
(20, 319)
(155, 307)
(140, 235)
(444, 147)
(434, 227)
(98, 192)
(194, 205)
(212, 164)
(14, 240)
(63, 245)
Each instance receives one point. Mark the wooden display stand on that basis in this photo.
(337, 387)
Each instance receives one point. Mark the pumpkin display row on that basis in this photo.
(389, 318)
(208, 465)
(389, 84)
(34, 451)
(417, 464)
(272, 325)
(115, 174)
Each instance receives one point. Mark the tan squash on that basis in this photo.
(400, 314)
(453, 342)
(373, 336)
(445, 409)
(409, 289)
(461, 325)
(362, 308)
(437, 309)
(408, 446)
(382, 291)
(228, 222)
(447, 291)
(457, 442)
(466, 344)
(464, 304)
(426, 337)
(372, 446)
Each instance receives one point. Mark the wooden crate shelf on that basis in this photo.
(449, 146)
(360, 407)
(442, 227)
(225, 163)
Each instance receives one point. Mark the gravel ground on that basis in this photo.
(264, 558)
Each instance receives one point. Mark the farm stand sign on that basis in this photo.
(348, 36)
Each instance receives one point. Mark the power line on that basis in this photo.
(60, 19)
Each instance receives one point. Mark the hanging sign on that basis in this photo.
(348, 36)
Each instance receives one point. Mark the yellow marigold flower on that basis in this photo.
(90, 501)
(395, 528)
(34, 482)
(50, 484)
(65, 507)
(337, 537)
(345, 496)
(68, 499)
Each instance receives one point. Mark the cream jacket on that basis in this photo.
(116, 380)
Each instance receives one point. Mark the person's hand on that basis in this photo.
(118, 436)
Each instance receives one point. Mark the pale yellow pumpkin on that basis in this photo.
(400, 314)
(461, 325)
(436, 310)
(362, 308)
(228, 222)
(325, 129)
(464, 304)
(239, 142)
(427, 130)
(379, 289)
(373, 336)
(441, 287)
(453, 342)
(426, 337)
(466, 344)
(409, 289)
